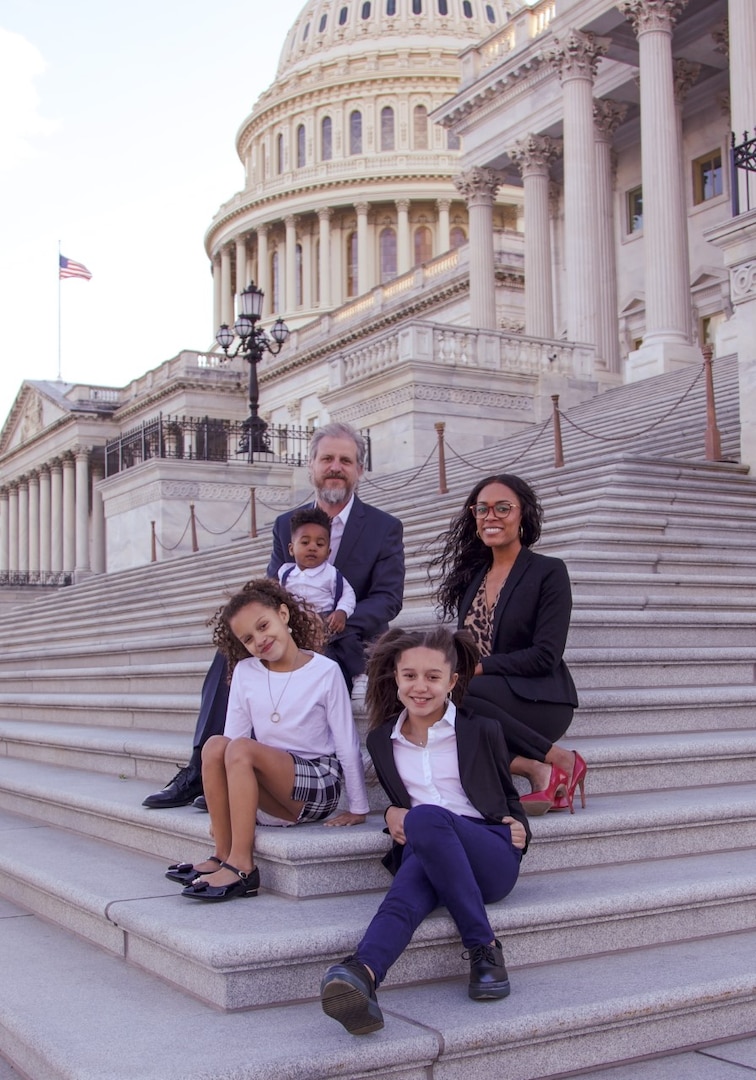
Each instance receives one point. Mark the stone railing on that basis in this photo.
(520, 30)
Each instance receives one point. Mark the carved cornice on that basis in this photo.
(607, 116)
(685, 73)
(535, 154)
(648, 15)
(577, 55)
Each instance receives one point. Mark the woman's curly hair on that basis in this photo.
(463, 554)
(306, 625)
(457, 647)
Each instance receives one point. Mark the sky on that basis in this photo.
(117, 142)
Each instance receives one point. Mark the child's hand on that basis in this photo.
(395, 816)
(336, 621)
(346, 819)
(519, 836)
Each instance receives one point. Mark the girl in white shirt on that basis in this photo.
(288, 742)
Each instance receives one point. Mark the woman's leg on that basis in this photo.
(449, 860)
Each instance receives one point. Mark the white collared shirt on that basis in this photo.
(430, 773)
(338, 524)
(316, 585)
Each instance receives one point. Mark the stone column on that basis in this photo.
(576, 59)
(444, 243)
(227, 296)
(34, 526)
(666, 342)
(4, 531)
(56, 516)
(364, 274)
(307, 267)
(98, 521)
(324, 259)
(290, 272)
(403, 246)
(685, 74)
(534, 156)
(242, 280)
(607, 117)
(217, 294)
(263, 267)
(69, 513)
(44, 520)
(742, 50)
(23, 525)
(479, 187)
(13, 527)
(81, 454)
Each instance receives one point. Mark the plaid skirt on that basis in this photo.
(317, 781)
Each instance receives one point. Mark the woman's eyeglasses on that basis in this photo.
(499, 509)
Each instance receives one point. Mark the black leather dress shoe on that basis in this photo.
(183, 789)
(347, 994)
(200, 803)
(488, 973)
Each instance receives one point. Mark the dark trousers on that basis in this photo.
(448, 860)
(530, 727)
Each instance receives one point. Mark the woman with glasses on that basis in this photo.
(517, 605)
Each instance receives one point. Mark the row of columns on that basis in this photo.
(251, 266)
(46, 523)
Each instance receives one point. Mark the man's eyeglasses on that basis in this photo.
(499, 509)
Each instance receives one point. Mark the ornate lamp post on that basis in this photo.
(253, 342)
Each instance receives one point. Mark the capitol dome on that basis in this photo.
(348, 182)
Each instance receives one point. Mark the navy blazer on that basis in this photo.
(530, 627)
(371, 558)
(483, 771)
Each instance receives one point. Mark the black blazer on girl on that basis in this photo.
(530, 627)
(483, 772)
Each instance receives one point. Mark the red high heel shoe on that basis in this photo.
(540, 802)
(579, 769)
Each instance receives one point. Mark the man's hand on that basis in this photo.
(336, 621)
(395, 816)
(346, 818)
(519, 836)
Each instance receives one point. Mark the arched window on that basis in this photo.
(467, 9)
(443, 7)
(387, 248)
(457, 237)
(490, 14)
(305, 32)
(420, 127)
(391, 7)
(279, 154)
(423, 245)
(417, 7)
(275, 279)
(366, 9)
(326, 139)
(343, 15)
(387, 128)
(453, 142)
(300, 146)
(351, 261)
(298, 275)
(355, 132)
(323, 23)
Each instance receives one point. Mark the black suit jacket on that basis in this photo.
(371, 558)
(530, 627)
(483, 772)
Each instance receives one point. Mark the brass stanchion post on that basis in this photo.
(192, 519)
(440, 426)
(558, 452)
(713, 441)
(252, 514)
(153, 543)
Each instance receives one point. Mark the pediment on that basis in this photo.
(705, 276)
(637, 302)
(34, 409)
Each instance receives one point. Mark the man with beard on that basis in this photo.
(366, 545)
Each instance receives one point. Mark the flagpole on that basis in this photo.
(59, 369)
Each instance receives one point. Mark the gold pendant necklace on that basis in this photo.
(275, 716)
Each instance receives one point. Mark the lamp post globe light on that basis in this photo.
(253, 342)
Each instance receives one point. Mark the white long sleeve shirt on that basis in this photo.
(317, 586)
(315, 715)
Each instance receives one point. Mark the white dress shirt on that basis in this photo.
(316, 585)
(338, 524)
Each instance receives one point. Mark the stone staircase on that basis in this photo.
(632, 931)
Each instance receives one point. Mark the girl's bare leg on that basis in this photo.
(216, 793)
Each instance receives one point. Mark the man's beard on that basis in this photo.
(333, 496)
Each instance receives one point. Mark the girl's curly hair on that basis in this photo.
(457, 647)
(463, 554)
(305, 623)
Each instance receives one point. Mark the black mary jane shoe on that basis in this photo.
(247, 885)
(184, 872)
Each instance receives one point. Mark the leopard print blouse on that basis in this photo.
(479, 621)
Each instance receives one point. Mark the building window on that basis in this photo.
(490, 14)
(453, 142)
(420, 128)
(323, 23)
(635, 210)
(355, 132)
(343, 15)
(279, 154)
(391, 7)
(305, 32)
(387, 128)
(298, 273)
(467, 9)
(423, 245)
(387, 247)
(417, 7)
(443, 7)
(366, 9)
(300, 146)
(326, 144)
(708, 326)
(275, 277)
(457, 237)
(707, 177)
(352, 271)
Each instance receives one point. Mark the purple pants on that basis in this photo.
(448, 860)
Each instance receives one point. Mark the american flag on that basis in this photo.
(68, 268)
